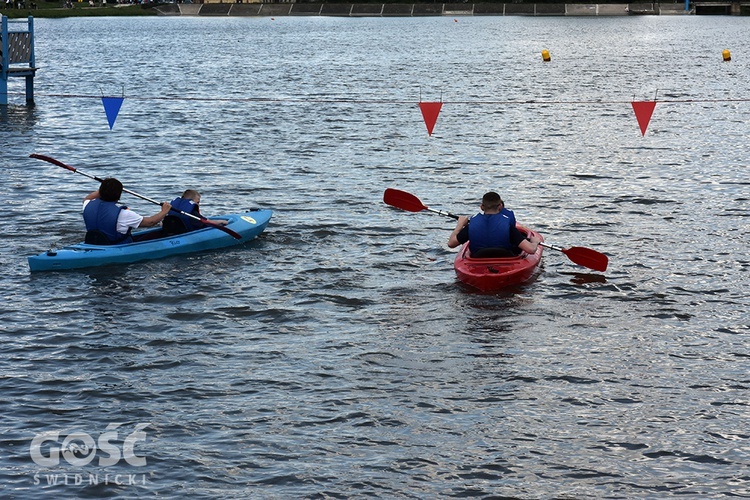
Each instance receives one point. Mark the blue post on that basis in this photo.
(32, 64)
(4, 62)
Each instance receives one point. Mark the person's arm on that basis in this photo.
(92, 196)
(220, 222)
(156, 218)
(518, 239)
(453, 240)
(530, 245)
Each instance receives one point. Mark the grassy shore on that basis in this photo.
(55, 9)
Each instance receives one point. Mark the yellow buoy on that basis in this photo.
(727, 55)
(545, 55)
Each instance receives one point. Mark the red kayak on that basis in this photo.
(491, 274)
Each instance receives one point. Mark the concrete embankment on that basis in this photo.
(415, 10)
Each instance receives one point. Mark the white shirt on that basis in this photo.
(125, 220)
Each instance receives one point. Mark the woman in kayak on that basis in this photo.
(189, 203)
(493, 232)
(107, 223)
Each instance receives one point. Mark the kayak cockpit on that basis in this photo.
(493, 253)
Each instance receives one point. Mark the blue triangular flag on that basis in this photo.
(112, 107)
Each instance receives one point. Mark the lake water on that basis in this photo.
(337, 355)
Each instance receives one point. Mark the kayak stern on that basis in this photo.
(493, 274)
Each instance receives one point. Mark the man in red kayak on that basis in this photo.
(108, 223)
(493, 232)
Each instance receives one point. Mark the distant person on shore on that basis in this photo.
(493, 232)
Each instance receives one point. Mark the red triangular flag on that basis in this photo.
(643, 111)
(430, 112)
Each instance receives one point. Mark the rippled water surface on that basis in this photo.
(337, 355)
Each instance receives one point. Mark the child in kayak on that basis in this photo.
(189, 203)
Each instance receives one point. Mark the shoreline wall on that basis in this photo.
(416, 10)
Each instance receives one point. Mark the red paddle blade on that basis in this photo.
(49, 159)
(587, 257)
(403, 200)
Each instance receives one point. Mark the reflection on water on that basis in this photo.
(16, 120)
(585, 278)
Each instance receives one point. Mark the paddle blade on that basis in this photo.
(51, 160)
(587, 257)
(403, 200)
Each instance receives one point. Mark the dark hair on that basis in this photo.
(491, 200)
(110, 189)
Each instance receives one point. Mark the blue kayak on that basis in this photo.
(151, 244)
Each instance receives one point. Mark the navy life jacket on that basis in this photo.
(510, 215)
(187, 206)
(101, 216)
(489, 231)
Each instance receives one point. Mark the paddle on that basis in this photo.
(582, 256)
(202, 219)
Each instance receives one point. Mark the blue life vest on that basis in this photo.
(102, 216)
(189, 207)
(489, 231)
(510, 215)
